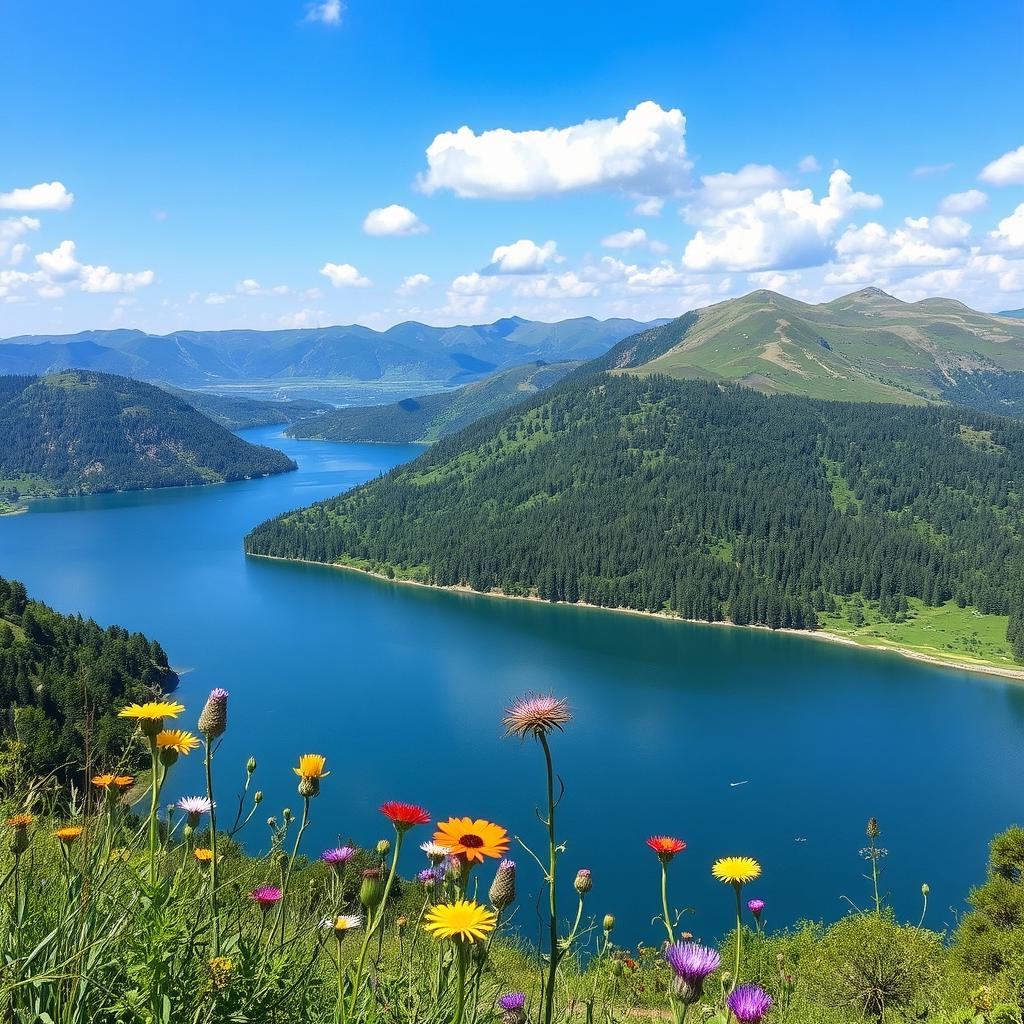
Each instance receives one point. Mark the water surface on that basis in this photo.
(403, 687)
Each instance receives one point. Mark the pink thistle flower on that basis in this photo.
(536, 714)
(265, 896)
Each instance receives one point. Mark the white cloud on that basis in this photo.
(1006, 170)
(928, 170)
(644, 153)
(302, 318)
(865, 253)
(248, 287)
(636, 278)
(556, 286)
(809, 164)
(44, 196)
(774, 280)
(217, 298)
(476, 284)
(60, 267)
(344, 275)
(523, 257)
(650, 206)
(412, 282)
(964, 202)
(327, 12)
(625, 239)
(393, 220)
(1010, 231)
(780, 229)
(11, 250)
(736, 188)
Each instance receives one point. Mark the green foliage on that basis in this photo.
(623, 492)
(61, 680)
(80, 432)
(238, 412)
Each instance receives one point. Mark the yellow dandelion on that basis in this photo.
(202, 854)
(20, 820)
(69, 833)
(736, 870)
(220, 971)
(464, 920)
(152, 710)
(311, 766)
(178, 740)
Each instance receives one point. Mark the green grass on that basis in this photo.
(948, 632)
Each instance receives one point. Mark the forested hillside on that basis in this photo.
(62, 679)
(85, 432)
(707, 501)
(238, 412)
(429, 417)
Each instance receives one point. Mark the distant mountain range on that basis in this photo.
(429, 417)
(79, 432)
(409, 351)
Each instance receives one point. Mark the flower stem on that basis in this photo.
(664, 902)
(154, 798)
(339, 1008)
(291, 863)
(215, 915)
(460, 1006)
(549, 988)
(739, 936)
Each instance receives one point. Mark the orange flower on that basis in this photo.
(202, 854)
(472, 840)
(69, 833)
(124, 781)
(103, 781)
(666, 847)
(20, 821)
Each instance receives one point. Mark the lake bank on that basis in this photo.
(957, 661)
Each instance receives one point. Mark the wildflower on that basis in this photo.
(404, 816)
(435, 851)
(310, 772)
(472, 840)
(872, 831)
(536, 714)
(609, 922)
(202, 854)
(19, 840)
(584, 883)
(194, 807)
(344, 923)
(213, 719)
(666, 847)
(749, 1003)
(736, 870)
(464, 920)
(692, 964)
(755, 907)
(151, 715)
(220, 971)
(338, 857)
(20, 821)
(503, 889)
(104, 781)
(432, 875)
(266, 896)
(511, 1006)
(371, 890)
(172, 742)
(69, 833)
(250, 765)
(383, 847)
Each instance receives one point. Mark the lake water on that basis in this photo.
(403, 689)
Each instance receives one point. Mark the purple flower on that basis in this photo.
(433, 874)
(338, 857)
(512, 1001)
(692, 961)
(755, 907)
(749, 1004)
(265, 896)
(194, 806)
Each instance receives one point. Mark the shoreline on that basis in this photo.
(983, 668)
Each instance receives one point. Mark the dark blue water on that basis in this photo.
(403, 688)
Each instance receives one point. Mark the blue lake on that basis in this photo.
(403, 689)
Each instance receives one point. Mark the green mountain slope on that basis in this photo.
(237, 412)
(867, 346)
(709, 502)
(429, 417)
(61, 680)
(83, 432)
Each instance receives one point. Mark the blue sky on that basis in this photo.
(189, 164)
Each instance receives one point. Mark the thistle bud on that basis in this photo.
(401, 923)
(19, 837)
(371, 890)
(257, 797)
(308, 787)
(250, 766)
(873, 831)
(503, 889)
(609, 922)
(287, 815)
(168, 756)
(213, 719)
(383, 847)
(584, 883)
(188, 831)
(271, 822)
(925, 889)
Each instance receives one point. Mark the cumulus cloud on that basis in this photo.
(1006, 170)
(412, 282)
(637, 278)
(734, 188)
(809, 164)
(864, 253)
(523, 257)
(11, 250)
(556, 286)
(302, 318)
(60, 267)
(780, 229)
(475, 284)
(964, 202)
(393, 220)
(774, 280)
(252, 287)
(649, 206)
(1010, 230)
(44, 196)
(326, 12)
(625, 239)
(344, 275)
(644, 153)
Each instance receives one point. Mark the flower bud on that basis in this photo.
(401, 922)
(287, 815)
(925, 889)
(250, 766)
(609, 922)
(371, 890)
(213, 719)
(503, 889)
(168, 756)
(873, 831)
(257, 797)
(584, 883)
(383, 847)
(308, 787)
(271, 822)
(188, 831)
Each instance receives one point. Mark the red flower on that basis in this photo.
(404, 816)
(666, 847)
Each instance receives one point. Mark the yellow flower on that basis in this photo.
(20, 821)
(152, 710)
(178, 740)
(466, 920)
(736, 870)
(202, 854)
(113, 781)
(69, 833)
(311, 766)
(220, 971)
(472, 840)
